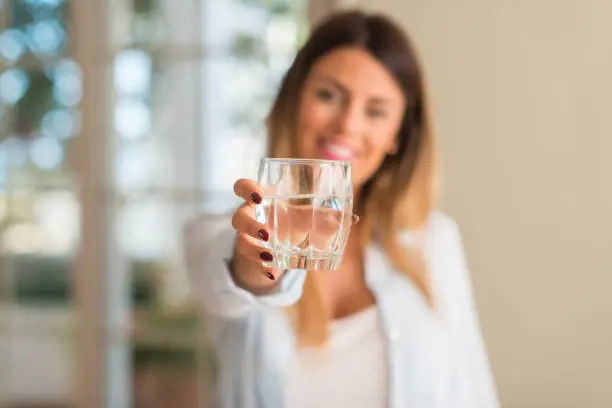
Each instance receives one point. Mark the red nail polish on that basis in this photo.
(266, 256)
(256, 198)
(270, 276)
(263, 234)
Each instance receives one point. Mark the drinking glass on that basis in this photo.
(308, 207)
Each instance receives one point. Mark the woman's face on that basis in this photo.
(351, 108)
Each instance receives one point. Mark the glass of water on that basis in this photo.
(308, 208)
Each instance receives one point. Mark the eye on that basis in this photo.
(325, 95)
(376, 113)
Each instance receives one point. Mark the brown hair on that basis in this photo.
(402, 192)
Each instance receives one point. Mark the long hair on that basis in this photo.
(402, 192)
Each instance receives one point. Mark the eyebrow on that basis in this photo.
(344, 89)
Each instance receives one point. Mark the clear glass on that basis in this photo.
(308, 207)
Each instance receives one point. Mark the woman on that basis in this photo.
(395, 326)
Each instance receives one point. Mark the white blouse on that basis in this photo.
(433, 357)
(349, 372)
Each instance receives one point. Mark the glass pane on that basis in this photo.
(34, 30)
(155, 170)
(171, 364)
(137, 23)
(40, 338)
(40, 91)
(39, 235)
(192, 85)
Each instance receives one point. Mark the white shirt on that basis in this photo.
(435, 357)
(350, 371)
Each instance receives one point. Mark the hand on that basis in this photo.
(248, 269)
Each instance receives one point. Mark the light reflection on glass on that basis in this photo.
(135, 225)
(12, 45)
(281, 35)
(249, 19)
(46, 153)
(3, 157)
(13, 85)
(133, 72)
(47, 36)
(67, 91)
(133, 167)
(67, 67)
(132, 118)
(16, 151)
(281, 43)
(39, 3)
(3, 206)
(246, 81)
(57, 215)
(59, 123)
(23, 238)
(67, 83)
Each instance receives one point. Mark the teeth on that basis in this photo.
(339, 150)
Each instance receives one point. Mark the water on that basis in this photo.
(306, 231)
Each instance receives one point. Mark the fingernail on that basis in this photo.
(266, 256)
(263, 234)
(256, 198)
(270, 276)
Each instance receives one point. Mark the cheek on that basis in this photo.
(314, 114)
(374, 156)
(379, 143)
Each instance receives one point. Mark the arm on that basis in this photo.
(209, 245)
(472, 374)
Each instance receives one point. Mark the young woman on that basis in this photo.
(396, 325)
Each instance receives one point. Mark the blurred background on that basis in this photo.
(121, 120)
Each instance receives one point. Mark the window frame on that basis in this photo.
(103, 374)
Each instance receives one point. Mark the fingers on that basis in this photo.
(249, 191)
(252, 233)
(249, 248)
(354, 219)
(243, 221)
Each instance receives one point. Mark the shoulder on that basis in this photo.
(441, 244)
(440, 233)
(447, 261)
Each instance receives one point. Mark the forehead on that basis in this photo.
(357, 70)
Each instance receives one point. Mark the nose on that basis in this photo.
(350, 120)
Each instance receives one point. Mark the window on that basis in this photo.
(40, 93)
(171, 97)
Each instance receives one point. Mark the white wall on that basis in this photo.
(522, 91)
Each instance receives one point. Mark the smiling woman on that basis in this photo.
(394, 325)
